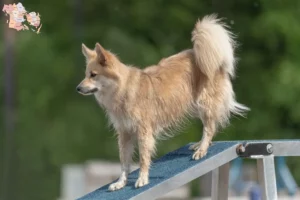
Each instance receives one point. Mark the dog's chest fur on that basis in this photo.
(118, 117)
(121, 122)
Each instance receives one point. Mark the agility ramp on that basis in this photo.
(177, 168)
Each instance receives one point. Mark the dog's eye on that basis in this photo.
(93, 74)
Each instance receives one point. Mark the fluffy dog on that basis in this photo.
(143, 104)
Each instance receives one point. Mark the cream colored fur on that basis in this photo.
(142, 104)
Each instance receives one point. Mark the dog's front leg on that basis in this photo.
(126, 149)
(146, 144)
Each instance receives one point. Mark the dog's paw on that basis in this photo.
(141, 182)
(116, 186)
(199, 154)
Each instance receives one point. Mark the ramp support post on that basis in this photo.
(220, 183)
(267, 177)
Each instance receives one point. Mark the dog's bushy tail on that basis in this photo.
(213, 46)
(214, 50)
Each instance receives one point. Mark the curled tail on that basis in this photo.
(213, 46)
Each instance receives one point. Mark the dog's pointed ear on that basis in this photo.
(102, 55)
(88, 53)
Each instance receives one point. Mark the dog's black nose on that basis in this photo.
(78, 89)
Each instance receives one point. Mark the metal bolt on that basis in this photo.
(270, 148)
(241, 149)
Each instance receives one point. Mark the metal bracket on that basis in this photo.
(254, 149)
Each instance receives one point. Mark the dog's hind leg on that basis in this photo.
(207, 108)
(209, 129)
(213, 108)
(126, 148)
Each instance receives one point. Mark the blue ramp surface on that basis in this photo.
(170, 172)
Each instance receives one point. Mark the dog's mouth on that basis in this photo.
(93, 90)
(88, 92)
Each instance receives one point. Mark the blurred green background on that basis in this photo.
(53, 125)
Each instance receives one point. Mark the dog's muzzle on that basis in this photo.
(82, 90)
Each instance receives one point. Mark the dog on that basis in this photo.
(142, 104)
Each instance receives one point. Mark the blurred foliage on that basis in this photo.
(56, 126)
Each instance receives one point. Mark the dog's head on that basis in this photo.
(101, 72)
